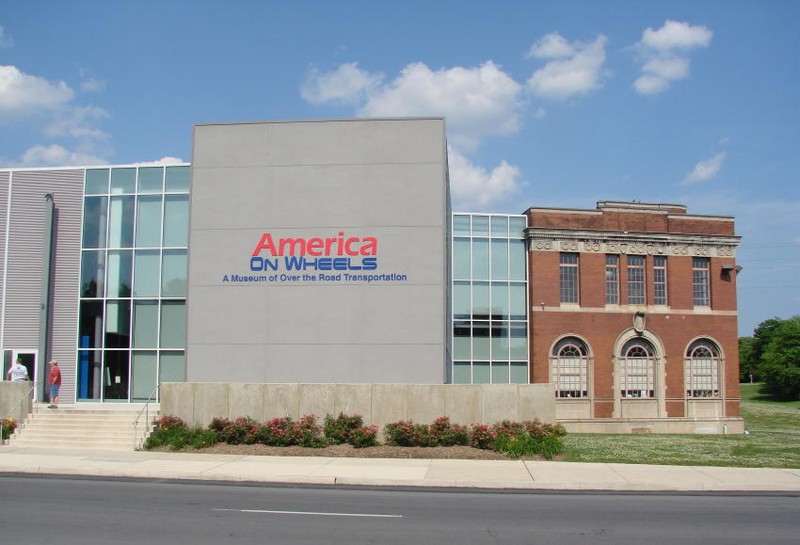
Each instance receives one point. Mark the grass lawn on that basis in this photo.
(774, 440)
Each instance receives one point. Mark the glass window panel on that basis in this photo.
(500, 303)
(96, 181)
(90, 365)
(146, 265)
(480, 372)
(519, 342)
(173, 273)
(461, 258)
(519, 373)
(90, 329)
(177, 179)
(148, 221)
(176, 220)
(517, 256)
(499, 259)
(173, 367)
(173, 324)
(500, 344)
(120, 223)
(480, 340)
(115, 375)
(480, 258)
(517, 226)
(118, 324)
(151, 179)
(499, 226)
(500, 372)
(480, 225)
(145, 324)
(143, 375)
(92, 273)
(119, 273)
(519, 304)
(461, 225)
(94, 222)
(123, 180)
(480, 300)
(461, 348)
(461, 300)
(462, 373)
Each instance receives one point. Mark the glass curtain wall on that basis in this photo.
(489, 300)
(132, 324)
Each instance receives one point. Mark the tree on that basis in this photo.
(780, 359)
(748, 365)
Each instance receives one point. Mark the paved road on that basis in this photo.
(89, 511)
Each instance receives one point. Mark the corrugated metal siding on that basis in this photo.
(23, 293)
(5, 177)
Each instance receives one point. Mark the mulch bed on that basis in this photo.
(347, 451)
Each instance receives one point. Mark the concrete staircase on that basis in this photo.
(75, 426)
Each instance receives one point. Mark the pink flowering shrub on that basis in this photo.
(481, 436)
(364, 436)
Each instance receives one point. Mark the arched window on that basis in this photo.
(702, 369)
(569, 364)
(637, 369)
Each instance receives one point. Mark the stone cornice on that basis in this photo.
(571, 240)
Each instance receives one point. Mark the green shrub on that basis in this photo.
(308, 433)
(171, 431)
(481, 436)
(365, 436)
(9, 425)
(529, 438)
(445, 434)
(404, 433)
(203, 438)
(338, 429)
(242, 431)
(278, 432)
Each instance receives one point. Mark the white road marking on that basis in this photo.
(311, 513)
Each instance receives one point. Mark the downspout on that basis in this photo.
(44, 317)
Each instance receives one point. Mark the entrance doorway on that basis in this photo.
(28, 358)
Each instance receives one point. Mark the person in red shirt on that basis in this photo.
(54, 378)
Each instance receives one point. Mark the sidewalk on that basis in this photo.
(533, 475)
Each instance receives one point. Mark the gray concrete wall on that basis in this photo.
(13, 401)
(379, 404)
(385, 179)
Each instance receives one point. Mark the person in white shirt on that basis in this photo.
(18, 372)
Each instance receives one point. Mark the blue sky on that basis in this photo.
(557, 104)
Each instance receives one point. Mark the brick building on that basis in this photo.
(633, 317)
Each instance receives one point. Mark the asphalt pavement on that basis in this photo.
(495, 474)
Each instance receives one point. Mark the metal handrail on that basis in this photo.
(146, 411)
(18, 407)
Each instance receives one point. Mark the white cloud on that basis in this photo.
(163, 161)
(676, 35)
(348, 84)
(93, 85)
(473, 187)
(55, 155)
(552, 46)
(477, 102)
(663, 54)
(22, 95)
(705, 170)
(576, 68)
(5, 41)
(78, 122)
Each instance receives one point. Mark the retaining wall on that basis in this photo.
(197, 403)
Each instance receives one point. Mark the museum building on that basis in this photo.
(326, 252)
